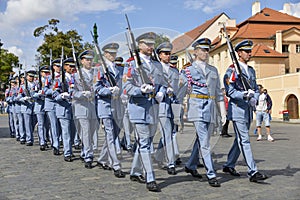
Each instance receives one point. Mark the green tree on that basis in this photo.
(160, 39)
(54, 40)
(7, 61)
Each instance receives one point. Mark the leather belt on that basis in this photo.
(201, 96)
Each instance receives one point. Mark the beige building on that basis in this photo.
(275, 54)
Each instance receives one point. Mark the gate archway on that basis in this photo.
(293, 106)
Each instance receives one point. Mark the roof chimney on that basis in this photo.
(287, 8)
(255, 7)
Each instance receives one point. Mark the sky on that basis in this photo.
(19, 18)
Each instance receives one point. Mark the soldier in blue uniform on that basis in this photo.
(27, 105)
(84, 109)
(240, 111)
(10, 108)
(143, 108)
(165, 111)
(204, 96)
(39, 104)
(49, 106)
(18, 117)
(107, 94)
(63, 109)
(127, 126)
(110, 53)
(69, 67)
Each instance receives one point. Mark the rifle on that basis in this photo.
(139, 66)
(130, 50)
(109, 76)
(62, 72)
(52, 69)
(40, 78)
(237, 67)
(78, 68)
(19, 77)
(26, 84)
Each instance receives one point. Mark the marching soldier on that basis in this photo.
(110, 53)
(204, 93)
(50, 104)
(127, 126)
(107, 94)
(84, 106)
(63, 109)
(165, 110)
(240, 111)
(18, 117)
(10, 108)
(143, 108)
(180, 87)
(39, 104)
(27, 106)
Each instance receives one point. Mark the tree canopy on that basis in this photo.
(54, 40)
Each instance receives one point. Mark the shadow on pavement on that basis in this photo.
(4, 133)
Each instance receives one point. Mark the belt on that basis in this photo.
(201, 96)
(149, 95)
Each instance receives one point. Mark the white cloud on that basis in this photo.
(20, 17)
(295, 9)
(210, 6)
(15, 50)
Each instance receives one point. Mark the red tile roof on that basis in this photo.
(265, 24)
(184, 41)
(261, 50)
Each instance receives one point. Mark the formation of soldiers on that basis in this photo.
(70, 103)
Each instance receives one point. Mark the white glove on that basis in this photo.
(253, 102)
(114, 90)
(159, 96)
(65, 95)
(147, 88)
(86, 94)
(223, 112)
(40, 92)
(170, 90)
(26, 98)
(250, 93)
(124, 98)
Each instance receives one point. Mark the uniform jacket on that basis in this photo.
(204, 109)
(239, 108)
(39, 98)
(26, 105)
(84, 107)
(141, 107)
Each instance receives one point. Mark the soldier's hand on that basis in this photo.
(87, 94)
(114, 90)
(147, 88)
(40, 92)
(124, 98)
(250, 93)
(223, 112)
(26, 98)
(65, 95)
(159, 96)
(170, 90)
(253, 102)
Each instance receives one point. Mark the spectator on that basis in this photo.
(263, 112)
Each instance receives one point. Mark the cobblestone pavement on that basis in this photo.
(28, 173)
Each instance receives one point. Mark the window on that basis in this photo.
(298, 48)
(266, 51)
(285, 48)
(297, 69)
